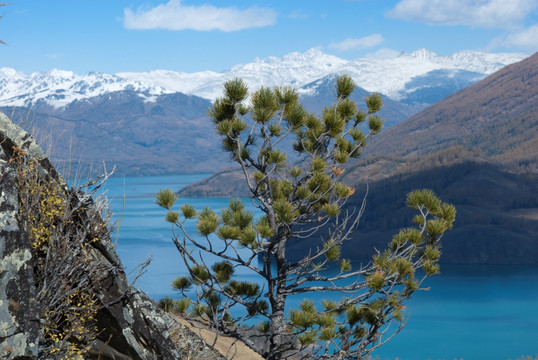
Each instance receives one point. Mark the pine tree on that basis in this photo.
(300, 200)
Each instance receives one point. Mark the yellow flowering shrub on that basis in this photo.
(65, 278)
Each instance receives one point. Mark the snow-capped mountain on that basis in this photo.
(60, 88)
(391, 77)
(387, 76)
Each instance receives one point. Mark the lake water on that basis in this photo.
(471, 312)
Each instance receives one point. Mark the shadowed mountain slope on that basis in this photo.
(497, 210)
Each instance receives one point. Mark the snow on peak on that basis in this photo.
(59, 88)
(9, 73)
(55, 73)
(388, 76)
(424, 54)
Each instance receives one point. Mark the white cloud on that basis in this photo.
(484, 13)
(361, 43)
(176, 16)
(384, 53)
(526, 39)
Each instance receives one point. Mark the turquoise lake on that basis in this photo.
(472, 312)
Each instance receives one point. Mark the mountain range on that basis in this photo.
(156, 122)
(477, 149)
(400, 78)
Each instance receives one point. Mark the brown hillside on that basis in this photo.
(497, 116)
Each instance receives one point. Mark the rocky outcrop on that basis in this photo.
(127, 324)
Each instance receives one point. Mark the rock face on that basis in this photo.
(19, 318)
(128, 325)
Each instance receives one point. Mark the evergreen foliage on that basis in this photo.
(300, 200)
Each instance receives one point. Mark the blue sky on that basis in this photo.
(188, 35)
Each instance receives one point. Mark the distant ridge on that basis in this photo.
(168, 135)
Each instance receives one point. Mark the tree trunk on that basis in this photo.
(278, 340)
(278, 331)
